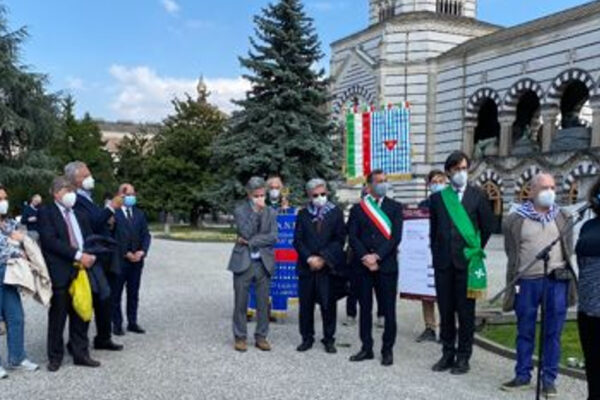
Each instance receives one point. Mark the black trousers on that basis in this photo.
(589, 332)
(130, 277)
(352, 301)
(386, 290)
(102, 315)
(451, 287)
(312, 289)
(61, 306)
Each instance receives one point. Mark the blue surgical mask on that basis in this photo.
(437, 187)
(130, 201)
(381, 189)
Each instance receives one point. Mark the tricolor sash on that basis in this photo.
(377, 216)
(477, 280)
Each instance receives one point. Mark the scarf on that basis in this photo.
(318, 213)
(527, 210)
(477, 279)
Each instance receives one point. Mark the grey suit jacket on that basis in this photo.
(512, 227)
(260, 230)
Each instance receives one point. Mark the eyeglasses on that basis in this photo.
(316, 195)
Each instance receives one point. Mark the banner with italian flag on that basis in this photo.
(378, 139)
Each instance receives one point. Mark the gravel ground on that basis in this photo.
(187, 353)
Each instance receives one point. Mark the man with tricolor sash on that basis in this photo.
(375, 231)
(461, 221)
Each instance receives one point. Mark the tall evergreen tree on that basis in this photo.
(28, 120)
(82, 140)
(283, 126)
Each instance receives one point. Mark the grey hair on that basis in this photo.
(256, 182)
(535, 180)
(59, 183)
(72, 168)
(315, 183)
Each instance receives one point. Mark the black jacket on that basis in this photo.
(328, 243)
(54, 238)
(132, 235)
(447, 245)
(365, 238)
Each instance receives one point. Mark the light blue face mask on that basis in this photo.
(381, 189)
(130, 201)
(437, 187)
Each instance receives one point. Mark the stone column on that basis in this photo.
(506, 121)
(595, 104)
(469, 136)
(549, 115)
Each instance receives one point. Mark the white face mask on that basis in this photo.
(68, 200)
(274, 194)
(88, 183)
(3, 207)
(546, 198)
(319, 201)
(437, 187)
(459, 179)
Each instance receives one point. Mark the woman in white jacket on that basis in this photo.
(11, 308)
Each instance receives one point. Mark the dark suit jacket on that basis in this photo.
(98, 216)
(29, 212)
(447, 245)
(56, 247)
(365, 238)
(328, 242)
(132, 235)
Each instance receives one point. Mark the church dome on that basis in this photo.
(381, 10)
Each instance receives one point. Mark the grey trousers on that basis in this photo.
(258, 275)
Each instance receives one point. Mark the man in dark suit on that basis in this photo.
(133, 238)
(106, 269)
(62, 234)
(451, 265)
(319, 239)
(374, 233)
(29, 217)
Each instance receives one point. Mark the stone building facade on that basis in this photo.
(519, 99)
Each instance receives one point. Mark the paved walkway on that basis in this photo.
(187, 354)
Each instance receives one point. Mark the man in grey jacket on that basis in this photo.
(253, 261)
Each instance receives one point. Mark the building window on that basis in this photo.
(449, 7)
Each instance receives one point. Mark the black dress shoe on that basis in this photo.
(461, 367)
(110, 346)
(362, 356)
(387, 359)
(330, 348)
(118, 331)
(445, 363)
(136, 329)
(304, 346)
(86, 362)
(53, 366)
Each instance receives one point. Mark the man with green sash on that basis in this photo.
(461, 219)
(375, 230)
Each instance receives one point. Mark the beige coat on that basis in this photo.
(512, 228)
(30, 274)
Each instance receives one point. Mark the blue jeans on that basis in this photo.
(527, 302)
(11, 309)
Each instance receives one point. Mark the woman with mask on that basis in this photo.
(588, 260)
(11, 308)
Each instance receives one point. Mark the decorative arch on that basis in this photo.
(559, 83)
(478, 97)
(585, 168)
(511, 99)
(351, 93)
(522, 185)
(490, 176)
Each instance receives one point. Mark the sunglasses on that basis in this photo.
(316, 195)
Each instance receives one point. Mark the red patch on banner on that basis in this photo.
(390, 144)
(286, 256)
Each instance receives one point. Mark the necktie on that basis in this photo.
(129, 215)
(71, 232)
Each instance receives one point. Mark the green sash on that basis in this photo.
(477, 282)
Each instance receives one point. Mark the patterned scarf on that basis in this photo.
(527, 210)
(318, 213)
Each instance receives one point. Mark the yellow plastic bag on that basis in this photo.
(81, 293)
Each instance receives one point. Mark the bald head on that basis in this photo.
(126, 189)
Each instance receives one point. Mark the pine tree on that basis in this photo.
(283, 126)
(178, 171)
